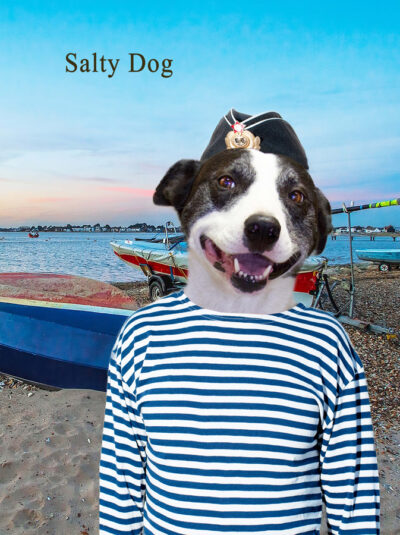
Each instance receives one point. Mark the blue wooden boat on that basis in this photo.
(58, 330)
(60, 345)
(384, 257)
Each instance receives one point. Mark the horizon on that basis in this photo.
(78, 146)
(156, 225)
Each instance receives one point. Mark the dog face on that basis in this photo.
(249, 216)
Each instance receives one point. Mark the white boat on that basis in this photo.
(165, 264)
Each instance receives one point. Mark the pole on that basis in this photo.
(350, 320)
(352, 286)
(380, 204)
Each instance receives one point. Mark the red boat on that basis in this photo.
(33, 234)
(164, 262)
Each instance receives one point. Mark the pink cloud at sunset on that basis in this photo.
(45, 200)
(139, 192)
(109, 204)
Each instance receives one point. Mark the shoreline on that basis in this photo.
(51, 440)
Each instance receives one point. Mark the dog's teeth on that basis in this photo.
(236, 264)
(267, 272)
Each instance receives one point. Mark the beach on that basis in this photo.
(51, 440)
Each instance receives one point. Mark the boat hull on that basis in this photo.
(152, 257)
(56, 344)
(57, 329)
(387, 256)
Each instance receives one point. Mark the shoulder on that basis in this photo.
(170, 305)
(135, 334)
(144, 320)
(344, 357)
(320, 321)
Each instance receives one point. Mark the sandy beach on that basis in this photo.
(51, 440)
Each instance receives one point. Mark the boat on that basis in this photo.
(160, 239)
(386, 258)
(165, 264)
(54, 334)
(169, 235)
(33, 234)
(155, 257)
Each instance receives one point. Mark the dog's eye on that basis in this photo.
(226, 182)
(296, 196)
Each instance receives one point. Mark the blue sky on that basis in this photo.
(82, 147)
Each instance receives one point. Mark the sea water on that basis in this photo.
(90, 254)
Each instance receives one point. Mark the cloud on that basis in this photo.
(43, 200)
(140, 192)
(97, 179)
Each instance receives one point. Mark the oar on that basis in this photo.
(382, 204)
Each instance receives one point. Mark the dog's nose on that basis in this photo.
(261, 232)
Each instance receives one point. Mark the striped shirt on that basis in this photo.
(225, 423)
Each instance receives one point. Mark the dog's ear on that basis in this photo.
(324, 221)
(174, 188)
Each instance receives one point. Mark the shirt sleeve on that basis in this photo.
(349, 470)
(123, 453)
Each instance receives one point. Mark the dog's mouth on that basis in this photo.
(248, 272)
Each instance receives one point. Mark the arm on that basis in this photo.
(349, 470)
(123, 454)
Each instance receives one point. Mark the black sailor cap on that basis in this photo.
(276, 135)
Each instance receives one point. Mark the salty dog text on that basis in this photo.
(137, 63)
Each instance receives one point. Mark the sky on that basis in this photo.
(84, 147)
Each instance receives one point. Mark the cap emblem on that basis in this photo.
(241, 139)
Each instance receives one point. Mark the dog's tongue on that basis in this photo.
(252, 263)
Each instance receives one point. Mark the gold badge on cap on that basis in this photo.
(241, 138)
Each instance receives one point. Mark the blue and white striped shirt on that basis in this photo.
(225, 423)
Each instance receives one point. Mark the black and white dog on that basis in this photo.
(250, 220)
